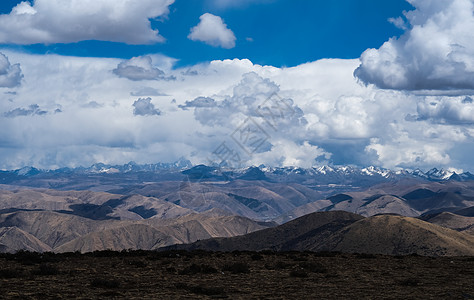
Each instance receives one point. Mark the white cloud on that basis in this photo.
(10, 75)
(213, 31)
(447, 110)
(334, 118)
(406, 152)
(146, 91)
(140, 68)
(435, 53)
(58, 21)
(144, 107)
(32, 110)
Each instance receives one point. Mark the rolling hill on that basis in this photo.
(454, 221)
(346, 232)
(52, 231)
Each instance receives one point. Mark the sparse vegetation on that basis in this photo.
(177, 275)
(237, 268)
(313, 267)
(105, 283)
(202, 290)
(366, 255)
(256, 256)
(46, 270)
(410, 282)
(11, 273)
(138, 263)
(198, 269)
(300, 273)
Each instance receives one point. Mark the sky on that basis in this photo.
(275, 82)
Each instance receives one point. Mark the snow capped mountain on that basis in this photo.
(27, 171)
(321, 175)
(439, 174)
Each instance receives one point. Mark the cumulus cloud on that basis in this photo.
(32, 110)
(446, 110)
(213, 31)
(140, 68)
(199, 102)
(144, 107)
(322, 116)
(57, 21)
(406, 153)
(436, 52)
(256, 124)
(92, 104)
(10, 75)
(147, 91)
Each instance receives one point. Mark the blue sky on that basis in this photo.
(284, 32)
(383, 83)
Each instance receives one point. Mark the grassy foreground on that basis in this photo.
(236, 275)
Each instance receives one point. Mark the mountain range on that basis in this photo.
(350, 233)
(323, 175)
(158, 205)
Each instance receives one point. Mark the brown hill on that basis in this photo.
(453, 221)
(132, 236)
(346, 232)
(303, 210)
(397, 235)
(154, 233)
(52, 228)
(13, 239)
(388, 204)
(258, 200)
(92, 205)
(61, 232)
(281, 237)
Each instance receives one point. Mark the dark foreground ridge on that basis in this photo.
(349, 233)
(233, 275)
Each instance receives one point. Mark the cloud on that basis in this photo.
(406, 153)
(146, 91)
(323, 116)
(10, 75)
(199, 102)
(58, 21)
(92, 104)
(447, 110)
(256, 124)
(32, 110)
(213, 31)
(140, 68)
(436, 52)
(144, 107)
(189, 72)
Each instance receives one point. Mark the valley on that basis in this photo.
(149, 207)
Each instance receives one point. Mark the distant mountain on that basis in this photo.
(324, 175)
(52, 231)
(261, 200)
(91, 205)
(13, 239)
(146, 206)
(345, 232)
(454, 221)
(280, 238)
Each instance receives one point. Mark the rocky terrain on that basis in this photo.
(348, 233)
(152, 206)
(51, 231)
(236, 275)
